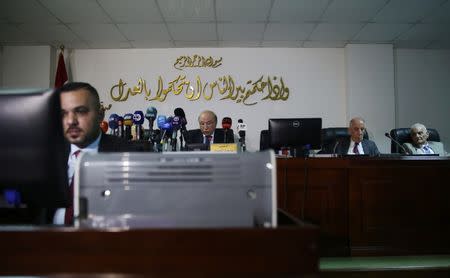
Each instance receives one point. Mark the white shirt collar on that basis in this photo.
(92, 148)
(352, 145)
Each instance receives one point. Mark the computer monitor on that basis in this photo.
(295, 133)
(32, 157)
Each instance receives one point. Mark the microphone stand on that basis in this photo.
(242, 139)
(225, 135)
(174, 141)
(397, 143)
(182, 130)
(334, 148)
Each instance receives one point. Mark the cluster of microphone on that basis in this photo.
(169, 128)
(130, 127)
(171, 133)
(122, 126)
(241, 129)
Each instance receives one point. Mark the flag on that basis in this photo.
(61, 73)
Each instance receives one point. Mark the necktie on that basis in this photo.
(426, 149)
(68, 216)
(208, 140)
(355, 148)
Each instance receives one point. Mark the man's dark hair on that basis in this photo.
(74, 86)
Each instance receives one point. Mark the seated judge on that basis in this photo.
(420, 145)
(208, 133)
(81, 117)
(356, 144)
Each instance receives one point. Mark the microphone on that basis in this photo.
(242, 128)
(160, 121)
(120, 130)
(226, 125)
(397, 143)
(138, 120)
(335, 146)
(128, 122)
(167, 127)
(180, 113)
(113, 124)
(176, 123)
(104, 126)
(183, 122)
(150, 115)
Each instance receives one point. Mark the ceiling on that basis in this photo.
(224, 23)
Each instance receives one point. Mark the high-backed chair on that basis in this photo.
(402, 135)
(331, 134)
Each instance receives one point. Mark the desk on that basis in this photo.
(370, 206)
(285, 251)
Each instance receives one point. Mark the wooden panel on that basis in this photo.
(398, 208)
(322, 202)
(373, 206)
(178, 252)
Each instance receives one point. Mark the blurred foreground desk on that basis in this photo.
(371, 206)
(286, 251)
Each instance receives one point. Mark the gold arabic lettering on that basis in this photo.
(270, 88)
(196, 61)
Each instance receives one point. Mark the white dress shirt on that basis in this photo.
(206, 139)
(352, 145)
(58, 218)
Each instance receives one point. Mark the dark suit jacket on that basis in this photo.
(196, 136)
(369, 147)
(110, 143)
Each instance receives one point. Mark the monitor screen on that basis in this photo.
(32, 147)
(295, 133)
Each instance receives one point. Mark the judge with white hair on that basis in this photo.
(420, 145)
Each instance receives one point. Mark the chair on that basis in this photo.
(331, 134)
(264, 140)
(402, 135)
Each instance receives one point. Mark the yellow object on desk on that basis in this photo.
(224, 148)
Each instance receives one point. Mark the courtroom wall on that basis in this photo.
(314, 81)
(423, 89)
(370, 89)
(27, 66)
(334, 84)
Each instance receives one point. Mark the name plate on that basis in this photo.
(223, 148)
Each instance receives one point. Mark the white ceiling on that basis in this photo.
(225, 23)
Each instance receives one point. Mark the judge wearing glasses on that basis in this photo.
(420, 144)
(208, 133)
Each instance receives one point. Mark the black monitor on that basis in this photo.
(295, 133)
(32, 148)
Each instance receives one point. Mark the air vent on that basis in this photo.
(174, 171)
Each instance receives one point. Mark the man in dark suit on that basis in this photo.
(208, 133)
(356, 144)
(81, 117)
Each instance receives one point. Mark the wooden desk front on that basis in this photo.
(370, 206)
(280, 252)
